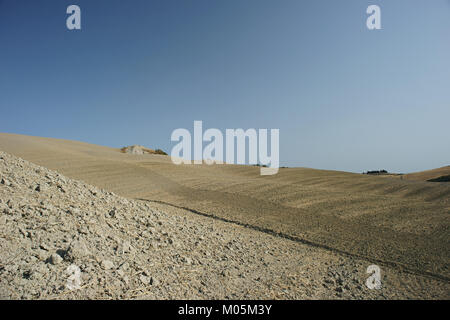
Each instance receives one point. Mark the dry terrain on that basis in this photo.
(294, 231)
(429, 174)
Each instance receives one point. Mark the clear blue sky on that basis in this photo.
(343, 97)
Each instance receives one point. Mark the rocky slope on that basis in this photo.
(52, 227)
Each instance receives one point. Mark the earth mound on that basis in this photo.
(137, 149)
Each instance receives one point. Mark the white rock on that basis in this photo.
(107, 264)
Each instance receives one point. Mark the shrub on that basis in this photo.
(377, 172)
(159, 151)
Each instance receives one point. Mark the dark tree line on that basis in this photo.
(376, 172)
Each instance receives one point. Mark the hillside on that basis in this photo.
(53, 228)
(428, 174)
(397, 223)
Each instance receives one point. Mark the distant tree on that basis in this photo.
(377, 172)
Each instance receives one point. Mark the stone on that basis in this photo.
(107, 264)
(55, 259)
(112, 213)
(124, 247)
(77, 250)
(154, 282)
(145, 279)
